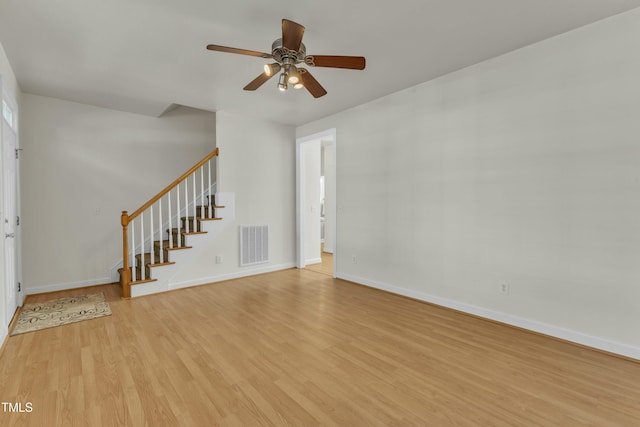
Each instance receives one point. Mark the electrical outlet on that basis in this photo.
(218, 259)
(354, 259)
(504, 289)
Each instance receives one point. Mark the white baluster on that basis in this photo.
(202, 191)
(193, 225)
(179, 222)
(133, 252)
(209, 213)
(152, 260)
(141, 245)
(160, 229)
(170, 219)
(186, 204)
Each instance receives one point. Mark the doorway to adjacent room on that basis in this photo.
(316, 202)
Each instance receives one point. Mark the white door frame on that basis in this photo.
(19, 294)
(300, 197)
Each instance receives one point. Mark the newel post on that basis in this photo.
(125, 276)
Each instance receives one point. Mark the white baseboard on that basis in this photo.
(532, 325)
(65, 286)
(229, 276)
(313, 261)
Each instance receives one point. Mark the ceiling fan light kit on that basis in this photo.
(282, 82)
(288, 52)
(271, 69)
(293, 76)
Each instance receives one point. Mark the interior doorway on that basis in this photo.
(325, 266)
(10, 220)
(316, 228)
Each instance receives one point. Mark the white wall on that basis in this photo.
(330, 194)
(8, 83)
(83, 165)
(257, 164)
(312, 201)
(8, 77)
(522, 170)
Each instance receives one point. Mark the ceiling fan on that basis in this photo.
(288, 52)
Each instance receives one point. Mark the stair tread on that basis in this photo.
(174, 233)
(160, 264)
(183, 232)
(210, 219)
(165, 244)
(147, 259)
(177, 248)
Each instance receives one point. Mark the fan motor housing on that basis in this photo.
(285, 56)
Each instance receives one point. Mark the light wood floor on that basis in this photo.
(302, 349)
(325, 267)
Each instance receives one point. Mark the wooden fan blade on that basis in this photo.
(238, 51)
(257, 82)
(292, 33)
(311, 84)
(349, 62)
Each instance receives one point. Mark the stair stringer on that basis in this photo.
(163, 275)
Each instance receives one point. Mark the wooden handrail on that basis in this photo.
(173, 184)
(125, 218)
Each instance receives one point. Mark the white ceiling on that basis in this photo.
(143, 56)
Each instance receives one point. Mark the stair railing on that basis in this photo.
(163, 202)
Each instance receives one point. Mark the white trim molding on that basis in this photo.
(70, 285)
(509, 319)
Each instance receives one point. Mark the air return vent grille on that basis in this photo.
(254, 244)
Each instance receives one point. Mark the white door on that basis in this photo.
(9, 145)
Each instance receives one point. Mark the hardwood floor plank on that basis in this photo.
(300, 348)
(326, 266)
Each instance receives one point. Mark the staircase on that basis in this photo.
(187, 205)
(163, 249)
